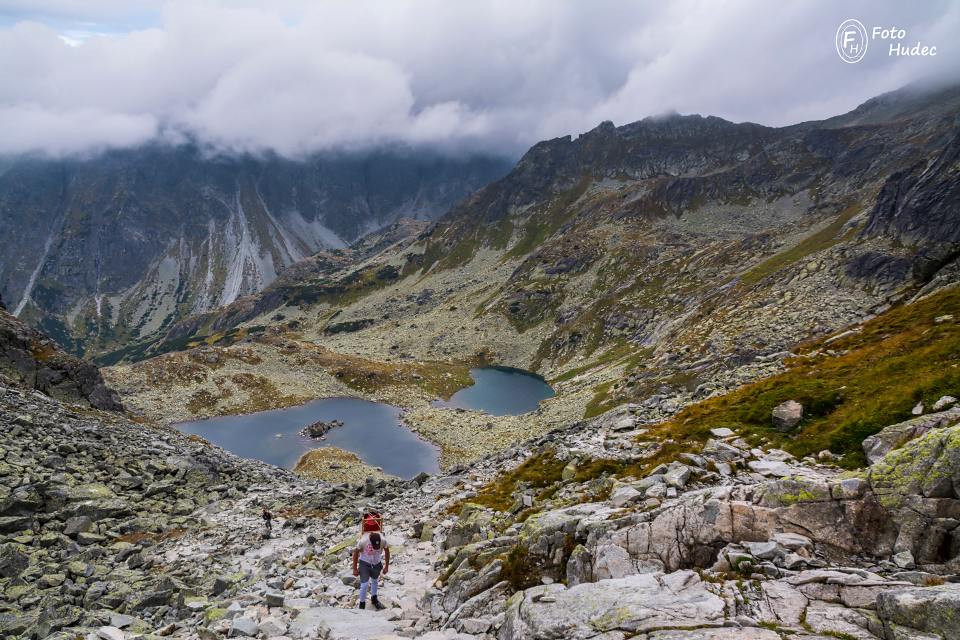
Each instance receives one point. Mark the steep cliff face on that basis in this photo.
(103, 250)
(919, 207)
(29, 359)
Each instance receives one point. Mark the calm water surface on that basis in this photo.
(501, 391)
(372, 430)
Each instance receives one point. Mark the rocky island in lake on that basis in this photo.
(319, 428)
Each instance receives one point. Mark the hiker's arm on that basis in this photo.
(386, 553)
(356, 556)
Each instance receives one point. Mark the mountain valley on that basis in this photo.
(104, 251)
(753, 335)
(620, 270)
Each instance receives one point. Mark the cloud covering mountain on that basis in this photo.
(298, 77)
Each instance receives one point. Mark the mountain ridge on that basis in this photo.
(606, 176)
(655, 292)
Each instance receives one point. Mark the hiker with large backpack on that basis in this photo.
(371, 557)
(267, 522)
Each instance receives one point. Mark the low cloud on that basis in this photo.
(297, 77)
(32, 127)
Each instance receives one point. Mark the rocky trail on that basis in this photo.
(614, 527)
(132, 531)
(118, 531)
(287, 594)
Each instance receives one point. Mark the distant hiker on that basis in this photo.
(370, 556)
(267, 523)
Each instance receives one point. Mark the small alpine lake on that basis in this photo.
(372, 430)
(500, 391)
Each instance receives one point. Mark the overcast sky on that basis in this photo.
(301, 76)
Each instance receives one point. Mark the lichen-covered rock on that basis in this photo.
(467, 582)
(933, 610)
(928, 466)
(13, 560)
(632, 605)
(484, 603)
(548, 537)
(579, 566)
(612, 561)
(896, 435)
(472, 525)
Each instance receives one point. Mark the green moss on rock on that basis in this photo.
(929, 465)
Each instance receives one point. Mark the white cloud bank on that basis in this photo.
(296, 77)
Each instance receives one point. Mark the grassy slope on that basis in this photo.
(898, 359)
(873, 379)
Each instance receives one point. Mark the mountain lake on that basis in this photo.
(500, 391)
(372, 430)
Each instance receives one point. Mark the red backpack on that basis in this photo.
(371, 521)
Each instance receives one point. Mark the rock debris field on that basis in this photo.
(115, 530)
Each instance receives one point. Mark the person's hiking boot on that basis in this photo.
(377, 604)
(363, 605)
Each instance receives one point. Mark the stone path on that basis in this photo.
(298, 584)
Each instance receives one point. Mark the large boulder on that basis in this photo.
(13, 560)
(334, 623)
(472, 525)
(690, 531)
(840, 514)
(928, 467)
(547, 538)
(466, 582)
(632, 605)
(735, 633)
(934, 610)
(786, 416)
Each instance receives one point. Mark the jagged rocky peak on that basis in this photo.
(647, 147)
(706, 499)
(663, 146)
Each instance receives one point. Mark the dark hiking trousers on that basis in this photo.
(368, 570)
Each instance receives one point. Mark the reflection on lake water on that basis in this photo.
(501, 391)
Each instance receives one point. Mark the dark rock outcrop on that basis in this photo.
(30, 359)
(319, 428)
(918, 207)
